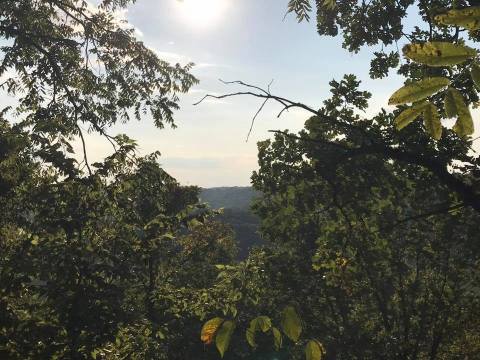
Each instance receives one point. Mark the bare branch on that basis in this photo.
(254, 117)
(84, 149)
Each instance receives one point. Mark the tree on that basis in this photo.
(73, 65)
(378, 274)
(92, 261)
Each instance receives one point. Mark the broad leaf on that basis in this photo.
(209, 330)
(437, 53)
(475, 74)
(468, 18)
(330, 4)
(250, 335)
(408, 115)
(314, 350)
(277, 338)
(263, 323)
(418, 90)
(224, 335)
(260, 323)
(450, 105)
(464, 125)
(291, 323)
(431, 120)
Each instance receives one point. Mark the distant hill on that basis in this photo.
(236, 197)
(236, 203)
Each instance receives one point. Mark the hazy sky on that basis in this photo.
(245, 40)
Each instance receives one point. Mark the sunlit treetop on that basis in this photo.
(75, 66)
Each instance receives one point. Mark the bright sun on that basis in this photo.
(202, 13)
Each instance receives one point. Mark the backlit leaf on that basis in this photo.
(330, 4)
(468, 18)
(475, 74)
(418, 90)
(250, 335)
(314, 350)
(408, 115)
(260, 323)
(209, 330)
(431, 120)
(291, 323)
(277, 338)
(224, 335)
(464, 125)
(438, 53)
(263, 323)
(450, 105)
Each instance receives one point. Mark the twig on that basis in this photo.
(254, 117)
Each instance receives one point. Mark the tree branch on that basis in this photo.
(376, 144)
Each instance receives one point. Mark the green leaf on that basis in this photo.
(431, 120)
(291, 323)
(418, 90)
(314, 350)
(464, 125)
(277, 338)
(224, 335)
(209, 330)
(475, 74)
(408, 115)
(329, 4)
(263, 323)
(450, 105)
(260, 323)
(438, 53)
(250, 335)
(468, 18)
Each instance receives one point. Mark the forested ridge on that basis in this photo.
(369, 224)
(236, 203)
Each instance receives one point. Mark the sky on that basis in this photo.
(248, 40)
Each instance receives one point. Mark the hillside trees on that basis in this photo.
(378, 274)
(93, 256)
(96, 260)
(371, 229)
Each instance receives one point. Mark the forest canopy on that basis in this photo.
(369, 224)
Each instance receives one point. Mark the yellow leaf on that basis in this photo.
(431, 120)
(438, 53)
(291, 323)
(468, 18)
(314, 350)
(418, 90)
(209, 330)
(408, 115)
(464, 125)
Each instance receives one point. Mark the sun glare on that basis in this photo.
(202, 13)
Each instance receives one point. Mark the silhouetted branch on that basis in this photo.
(375, 143)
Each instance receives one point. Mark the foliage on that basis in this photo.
(369, 248)
(370, 232)
(437, 50)
(73, 65)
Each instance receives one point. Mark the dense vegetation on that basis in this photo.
(370, 226)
